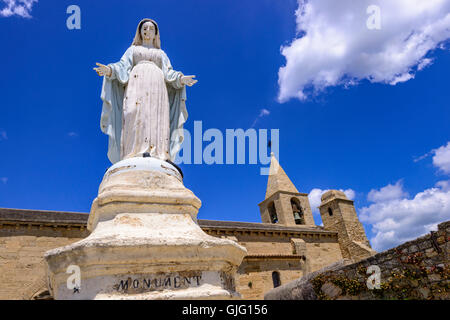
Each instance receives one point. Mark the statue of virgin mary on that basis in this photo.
(144, 100)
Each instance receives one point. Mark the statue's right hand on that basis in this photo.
(103, 70)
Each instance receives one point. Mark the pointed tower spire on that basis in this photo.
(283, 203)
(278, 179)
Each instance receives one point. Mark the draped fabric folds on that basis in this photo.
(112, 95)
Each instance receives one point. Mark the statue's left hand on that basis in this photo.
(188, 80)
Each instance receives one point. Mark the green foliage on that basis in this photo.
(409, 282)
(361, 270)
(349, 286)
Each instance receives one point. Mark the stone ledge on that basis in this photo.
(42, 217)
(275, 256)
(68, 219)
(275, 194)
(401, 267)
(261, 227)
(302, 289)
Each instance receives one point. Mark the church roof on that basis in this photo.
(61, 218)
(278, 179)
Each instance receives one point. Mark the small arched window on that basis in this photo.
(272, 213)
(297, 211)
(276, 279)
(330, 212)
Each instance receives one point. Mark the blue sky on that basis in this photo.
(363, 135)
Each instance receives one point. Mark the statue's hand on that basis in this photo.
(103, 70)
(188, 80)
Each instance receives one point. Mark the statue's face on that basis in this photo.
(148, 31)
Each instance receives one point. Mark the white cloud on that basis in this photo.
(441, 158)
(4, 180)
(401, 78)
(335, 47)
(314, 199)
(444, 185)
(389, 192)
(20, 8)
(262, 113)
(425, 62)
(315, 195)
(398, 220)
(72, 134)
(426, 155)
(395, 218)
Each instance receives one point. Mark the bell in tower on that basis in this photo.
(284, 205)
(297, 210)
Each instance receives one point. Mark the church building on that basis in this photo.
(284, 247)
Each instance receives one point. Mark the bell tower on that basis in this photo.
(283, 204)
(338, 214)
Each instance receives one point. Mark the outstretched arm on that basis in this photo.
(175, 78)
(188, 80)
(103, 70)
(119, 70)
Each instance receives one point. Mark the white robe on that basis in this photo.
(113, 94)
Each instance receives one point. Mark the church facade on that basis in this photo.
(284, 247)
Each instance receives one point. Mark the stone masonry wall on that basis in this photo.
(22, 272)
(417, 269)
(26, 236)
(254, 277)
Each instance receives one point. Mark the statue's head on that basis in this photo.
(147, 29)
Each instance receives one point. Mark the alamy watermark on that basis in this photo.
(374, 280)
(374, 20)
(236, 146)
(74, 280)
(74, 20)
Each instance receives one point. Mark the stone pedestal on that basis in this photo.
(145, 242)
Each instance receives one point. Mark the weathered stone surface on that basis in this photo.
(282, 198)
(330, 290)
(278, 179)
(404, 275)
(269, 248)
(144, 229)
(289, 249)
(338, 214)
(302, 289)
(424, 292)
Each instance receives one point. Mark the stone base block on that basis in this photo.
(145, 243)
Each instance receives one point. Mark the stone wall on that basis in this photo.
(417, 269)
(254, 276)
(277, 251)
(22, 272)
(292, 251)
(338, 214)
(320, 254)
